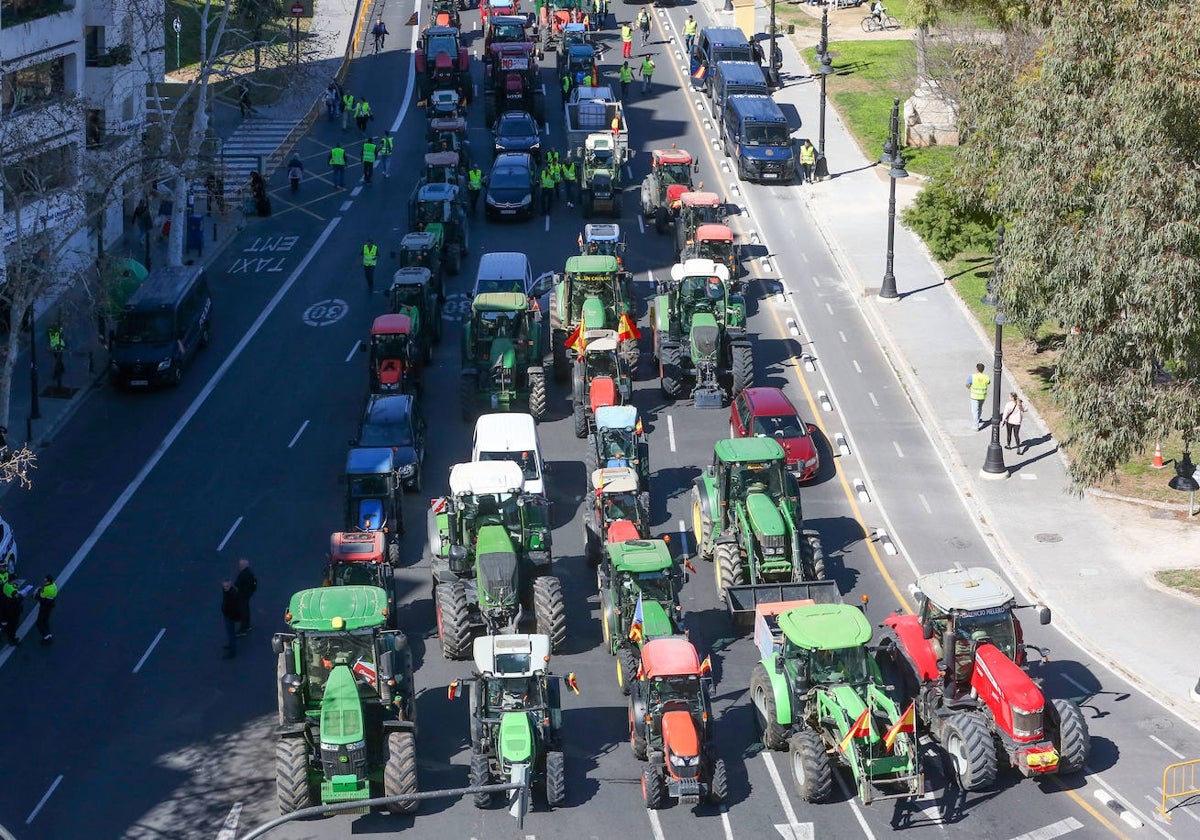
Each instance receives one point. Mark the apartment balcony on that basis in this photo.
(33, 27)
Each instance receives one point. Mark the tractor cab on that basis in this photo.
(443, 168)
(373, 495)
(448, 134)
(421, 250)
(392, 363)
(554, 16)
(505, 29)
(663, 188)
(715, 242)
(591, 288)
(359, 559)
(445, 13)
(502, 356)
(643, 569)
(602, 374)
(603, 240)
(701, 287)
(751, 470)
(619, 441)
(445, 103)
(434, 208)
(620, 513)
(578, 58)
(413, 295)
(696, 209)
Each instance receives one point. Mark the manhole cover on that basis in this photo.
(1048, 538)
(1155, 724)
(960, 544)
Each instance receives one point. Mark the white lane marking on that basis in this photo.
(650, 277)
(725, 823)
(1163, 744)
(53, 787)
(546, 127)
(354, 350)
(1078, 685)
(655, 826)
(788, 811)
(828, 308)
(816, 281)
(345, 206)
(547, 224)
(629, 172)
(795, 832)
(671, 432)
(119, 505)
(229, 533)
(1047, 832)
(354, 192)
(853, 803)
(299, 432)
(924, 503)
(874, 401)
(683, 540)
(149, 650)
(856, 365)
(899, 452)
(841, 334)
(641, 224)
(229, 827)
(804, 256)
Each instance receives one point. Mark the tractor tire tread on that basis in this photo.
(1074, 741)
(556, 779)
(550, 610)
(718, 785)
(742, 358)
(979, 746)
(400, 771)
(774, 735)
(729, 567)
(291, 775)
(456, 627)
(480, 775)
(817, 784)
(537, 397)
(629, 660)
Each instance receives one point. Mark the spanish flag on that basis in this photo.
(452, 690)
(687, 564)
(575, 340)
(638, 430)
(706, 665)
(635, 629)
(572, 683)
(626, 328)
(860, 729)
(906, 723)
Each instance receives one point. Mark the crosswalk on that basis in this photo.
(250, 146)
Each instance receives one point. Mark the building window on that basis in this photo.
(37, 175)
(14, 12)
(93, 45)
(95, 128)
(34, 85)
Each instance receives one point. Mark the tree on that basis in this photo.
(1088, 148)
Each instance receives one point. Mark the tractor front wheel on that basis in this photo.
(481, 774)
(291, 775)
(972, 750)
(718, 786)
(632, 354)
(670, 359)
(812, 556)
(537, 395)
(701, 525)
(637, 742)
(628, 663)
(654, 787)
(454, 626)
(556, 780)
(550, 611)
(742, 362)
(562, 370)
(1072, 739)
(728, 566)
(812, 773)
(393, 553)
(581, 423)
(400, 772)
(774, 735)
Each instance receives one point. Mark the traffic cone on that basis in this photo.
(1157, 463)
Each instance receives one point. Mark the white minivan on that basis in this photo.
(509, 271)
(511, 437)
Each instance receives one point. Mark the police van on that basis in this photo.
(758, 139)
(715, 44)
(164, 323)
(729, 78)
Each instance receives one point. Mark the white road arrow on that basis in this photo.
(799, 831)
(230, 829)
(793, 829)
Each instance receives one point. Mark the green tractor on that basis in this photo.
(489, 553)
(516, 716)
(819, 694)
(746, 517)
(502, 357)
(438, 209)
(420, 249)
(602, 158)
(592, 293)
(346, 723)
(413, 294)
(639, 601)
(700, 332)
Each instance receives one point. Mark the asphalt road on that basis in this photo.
(133, 726)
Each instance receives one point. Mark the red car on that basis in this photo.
(767, 412)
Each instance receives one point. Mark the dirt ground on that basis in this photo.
(844, 24)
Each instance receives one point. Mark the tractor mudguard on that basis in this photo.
(735, 313)
(704, 490)
(783, 697)
(660, 315)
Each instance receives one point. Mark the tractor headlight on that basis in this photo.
(685, 766)
(1026, 724)
(165, 364)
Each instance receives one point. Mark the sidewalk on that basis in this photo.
(1091, 559)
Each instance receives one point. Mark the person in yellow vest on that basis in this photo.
(370, 256)
(10, 610)
(647, 71)
(368, 159)
(347, 108)
(386, 145)
(337, 166)
(474, 185)
(626, 79)
(548, 185)
(58, 347)
(626, 42)
(571, 181)
(556, 174)
(566, 84)
(689, 33)
(362, 113)
(808, 161)
(977, 385)
(46, 596)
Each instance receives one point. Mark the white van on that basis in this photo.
(511, 437)
(503, 271)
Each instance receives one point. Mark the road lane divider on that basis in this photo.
(671, 432)
(299, 432)
(229, 533)
(230, 826)
(353, 350)
(157, 638)
(793, 827)
(45, 798)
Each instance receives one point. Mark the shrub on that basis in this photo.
(947, 227)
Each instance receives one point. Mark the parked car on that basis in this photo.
(767, 412)
(394, 421)
(516, 131)
(512, 187)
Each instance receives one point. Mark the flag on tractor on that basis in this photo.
(860, 729)
(635, 629)
(637, 429)
(575, 340)
(452, 690)
(572, 683)
(626, 328)
(700, 72)
(906, 723)
(706, 665)
(687, 564)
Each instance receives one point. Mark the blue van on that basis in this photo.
(757, 137)
(164, 323)
(730, 78)
(719, 43)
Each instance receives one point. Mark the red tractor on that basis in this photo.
(616, 512)
(357, 558)
(443, 63)
(511, 82)
(961, 661)
(670, 726)
(393, 364)
(714, 242)
(669, 178)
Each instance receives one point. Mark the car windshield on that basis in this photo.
(516, 125)
(510, 178)
(144, 328)
(732, 54)
(654, 586)
(994, 624)
(442, 44)
(783, 426)
(764, 476)
(508, 34)
(398, 433)
(324, 652)
(766, 134)
(526, 460)
(676, 173)
(368, 486)
(844, 665)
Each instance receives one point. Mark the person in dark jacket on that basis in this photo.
(10, 610)
(231, 611)
(246, 585)
(47, 596)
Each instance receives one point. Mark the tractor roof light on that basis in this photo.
(338, 623)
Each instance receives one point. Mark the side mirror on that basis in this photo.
(1043, 614)
(458, 559)
(277, 644)
(779, 663)
(696, 167)
(927, 630)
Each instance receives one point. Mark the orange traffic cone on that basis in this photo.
(1157, 463)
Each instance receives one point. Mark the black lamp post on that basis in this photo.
(892, 157)
(993, 464)
(1185, 482)
(773, 60)
(35, 411)
(824, 68)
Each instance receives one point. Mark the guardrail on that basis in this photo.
(1179, 781)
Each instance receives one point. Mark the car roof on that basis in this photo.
(368, 460)
(725, 36)
(669, 657)
(320, 609)
(490, 477)
(765, 400)
(388, 408)
(641, 556)
(748, 449)
(757, 107)
(615, 479)
(516, 115)
(973, 588)
(513, 160)
(616, 417)
(826, 626)
(391, 324)
(506, 432)
(503, 265)
(741, 72)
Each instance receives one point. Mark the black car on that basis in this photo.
(516, 131)
(512, 187)
(394, 421)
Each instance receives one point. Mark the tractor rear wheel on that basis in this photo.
(631, 353)
(550, 611)
(481, 774)
(537, 395)
(670, 358)
(291, 775)
(812, 774)
(454, 626)
(762, 696)
(718, 785)
(581, 423)
(591, 543)
(728, 566)
(701, 524)
(972, 751)
(1072, 739)
(400, 772)
(393, 553)
(742, 362)
(556, 780)
(654, 787)
(628, 662)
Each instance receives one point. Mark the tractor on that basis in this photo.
(449, 134)
(639, 601)
(502, 357)
(442, 63)
(614, 511)
(700, 333)
(412, 295)
(444, 168)
(600, 377)
(446, 103)
(961, 659)
(602, 159)
(516, 716)
(444, 13)
(603, 239)
(553, 18)
(374, 492)
(670, 726)
(358, 558)
(422, 250)
(507, 28)
(576, 57)
(746, 517)
(489, 551)
(593, 293)
(670, 177)
(715, 242)
(620, 441)
(438, 209)
(347, 730)
(511, 82)
(394, 364)
(696, 209)
(573, 35)
(819, 694)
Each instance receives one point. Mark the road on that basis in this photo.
(133, 726)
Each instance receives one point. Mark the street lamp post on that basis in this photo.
(993, 463)
(35, 412)
(892, 157)
(824, 68)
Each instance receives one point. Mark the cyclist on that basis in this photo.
(878, 11)
(380, 31)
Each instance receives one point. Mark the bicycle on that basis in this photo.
(872, 24)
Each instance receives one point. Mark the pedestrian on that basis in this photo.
(47, 595)
(246, 585)
(258, 189)
(556, 172)
(548, 185)
(626, 78)
(380, 32)
(58, 349)
(474, 186)
(244, 105)
(10, 609)
(295, 170)
(231, 611)
(643, 22)
(368, 159)
(331, 102)
(570, 181)
(598, 14)
(386, 145)
(689, 33)
(370, 256)
(1011, 417)
(626, 41)
(647, 71)
(566, 84)
(348, 104)
(337, 165)
(808, 161)
(977, 385)
(362, 114)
